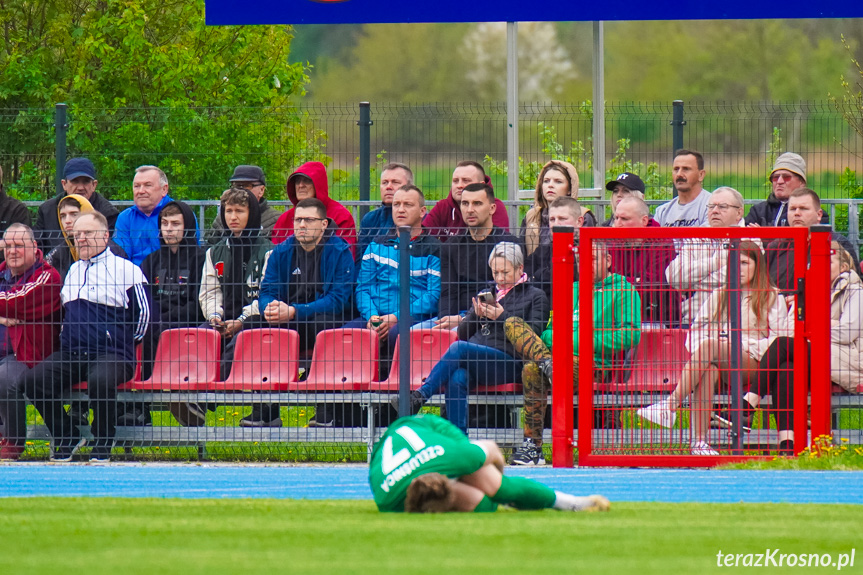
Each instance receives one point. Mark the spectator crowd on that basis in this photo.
(86, 291)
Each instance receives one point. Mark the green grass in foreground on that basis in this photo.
(129, 536)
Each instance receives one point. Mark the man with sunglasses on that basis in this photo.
(248, 178)
(789, 174)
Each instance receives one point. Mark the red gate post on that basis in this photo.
(818, 328)
(562, 274)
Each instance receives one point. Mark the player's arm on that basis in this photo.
(493, 454)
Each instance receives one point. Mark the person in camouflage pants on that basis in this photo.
(535, 374)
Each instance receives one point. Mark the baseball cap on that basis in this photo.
(247, 173)
(792, 162)
(629, 180)
(77, 167)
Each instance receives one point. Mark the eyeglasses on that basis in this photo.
(783, 177)
(307, 220)
(721, 207)
(247, 185)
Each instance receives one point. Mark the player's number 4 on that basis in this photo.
(389, 460)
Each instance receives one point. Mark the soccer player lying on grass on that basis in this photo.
(424, 464)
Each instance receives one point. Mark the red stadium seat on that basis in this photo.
(187, 359)
(658, 363)
(343, 360)
(427, 347)
(264, 360)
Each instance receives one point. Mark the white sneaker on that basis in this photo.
(591, 503)
(658, 413)
(702, 448)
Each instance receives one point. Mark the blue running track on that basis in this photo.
(350, 482)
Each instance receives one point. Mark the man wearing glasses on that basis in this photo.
(307, 285)
(106, 304)
(700, 265)
(789, 174)
(248, 178)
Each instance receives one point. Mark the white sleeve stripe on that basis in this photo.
(28, 287)
(144, 317)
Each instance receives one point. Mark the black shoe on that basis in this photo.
(188, 414)
(416, 402)
(786, 447)
(66, 449)
(261, 420)
(79, 413)
(135, 417)
(722, 419)
(528, 454)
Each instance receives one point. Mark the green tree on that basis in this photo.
(147, 81)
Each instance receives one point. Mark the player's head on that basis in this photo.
(430, 493)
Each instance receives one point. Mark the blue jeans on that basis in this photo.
(464, 364)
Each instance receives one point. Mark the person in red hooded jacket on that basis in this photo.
(310, 181)
(30, 319)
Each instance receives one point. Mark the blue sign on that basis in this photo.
(228, 12)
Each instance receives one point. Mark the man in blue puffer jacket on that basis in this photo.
(378, 279)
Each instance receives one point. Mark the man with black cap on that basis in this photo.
(625, 185)
(789, 174)
(79, 177)
(248, 178)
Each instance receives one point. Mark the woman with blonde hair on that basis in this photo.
(763, 318)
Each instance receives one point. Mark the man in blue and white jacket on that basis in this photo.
(378, 279)
(107, 303)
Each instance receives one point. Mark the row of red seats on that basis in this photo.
(347, 360)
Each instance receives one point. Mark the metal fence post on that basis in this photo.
(735, 337)
(563, 271)
(60, 126)
(818, 325)
(365, 125)
(404, 321)
(677, 123)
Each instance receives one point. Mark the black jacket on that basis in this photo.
(47, 228)
(765, 213)
(780, 261)
(464, 268)
(12, 211)
(175, 278)
(525, 301)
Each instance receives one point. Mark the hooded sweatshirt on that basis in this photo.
(317, 172)
(48, 228)
(234, 268)
(64, 255)
(616, 319)
(846, 332)
(175, 278)
(444, 220)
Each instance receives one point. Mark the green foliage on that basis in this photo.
(850, 105)
(823, 455)
(148, 82)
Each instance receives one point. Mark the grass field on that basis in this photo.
(130, 536)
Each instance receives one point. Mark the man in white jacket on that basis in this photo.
(700, 265)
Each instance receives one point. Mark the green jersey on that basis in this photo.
(414, 446)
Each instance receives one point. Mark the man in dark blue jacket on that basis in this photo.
(307, 286)
(107, 303)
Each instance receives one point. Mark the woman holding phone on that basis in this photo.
(483, 355)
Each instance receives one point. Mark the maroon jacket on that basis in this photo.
(34, 299)
(444, 219)
(644, 266)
